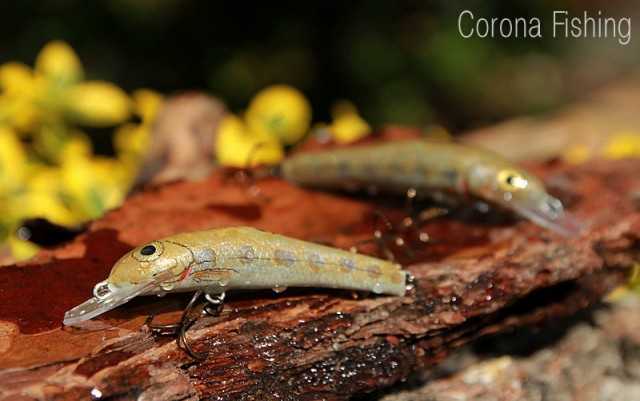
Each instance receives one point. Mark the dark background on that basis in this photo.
(399, 62)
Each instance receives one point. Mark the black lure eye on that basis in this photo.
(148, 250)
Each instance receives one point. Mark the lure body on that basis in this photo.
(236, 258)
(431, 168)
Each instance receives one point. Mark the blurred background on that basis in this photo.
(82, 84)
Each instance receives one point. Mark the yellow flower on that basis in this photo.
(58, 61)
(131, 141)
(18, 113)
(280, 111)
(147, 104)
(623, 145)
(45, 204)
(52, 141)
(16, 79)
(12, 161)
(633, 285)
(97, 103)
(20, 89)
(236, 146)
(78, 144)
(92, 186)
(21, 249)
(347, 125)
(40, 197)
(634, 278)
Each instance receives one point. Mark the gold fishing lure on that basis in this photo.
(218, 260)
(432, 167)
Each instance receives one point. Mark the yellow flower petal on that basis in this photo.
(280, 111)
(50, 140)
(12, 161)
(634, 278)
(18, 112)
(147, 103)
(93, 185)
(623, 145)
(78, 145)
(236, 146)
(16, 79)
(44, 204)
(131, 140)
(347, 125)
(44, 179)
(97, 103)
(59, 62)
(20, 249)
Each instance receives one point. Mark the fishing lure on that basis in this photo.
(214, 261)
(431, 168)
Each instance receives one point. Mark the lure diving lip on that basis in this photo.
(549, 213)
(115, 297)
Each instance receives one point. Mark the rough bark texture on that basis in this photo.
(306, 344)
(478, 275)
(596, 358)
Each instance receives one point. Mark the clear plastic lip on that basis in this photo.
(115, 297)
(557, 220)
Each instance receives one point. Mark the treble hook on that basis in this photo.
(213, 308)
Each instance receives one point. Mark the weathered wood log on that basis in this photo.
(475, 277)
(595, 357)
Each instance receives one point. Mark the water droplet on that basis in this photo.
(161, 294)
(278, 289)
(96, 394)
(167, 286)
(377, 288)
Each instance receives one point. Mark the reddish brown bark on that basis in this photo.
(474, 278)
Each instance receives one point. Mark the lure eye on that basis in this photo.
(149, 252)
(510, 180)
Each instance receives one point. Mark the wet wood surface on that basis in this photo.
(479, 274)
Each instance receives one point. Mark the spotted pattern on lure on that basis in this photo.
(432, 168)
(235, 258)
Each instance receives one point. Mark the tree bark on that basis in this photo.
(595, 357)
